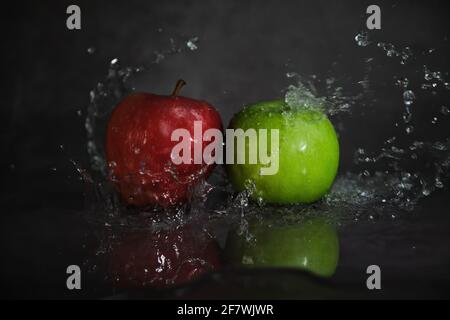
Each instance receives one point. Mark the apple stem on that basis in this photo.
(178, 86)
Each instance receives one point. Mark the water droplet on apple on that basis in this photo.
(303, 147)
(112, 164)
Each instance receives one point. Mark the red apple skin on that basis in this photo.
(161, 259)
(138, 147)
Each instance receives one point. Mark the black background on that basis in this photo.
(245, 50)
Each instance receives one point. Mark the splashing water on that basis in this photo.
(300, 97)
(192, 44)
(399, 187)
(391, 179)
(362, 39)
(394, 177)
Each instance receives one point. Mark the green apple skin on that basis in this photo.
(312, 246)
(308, 153)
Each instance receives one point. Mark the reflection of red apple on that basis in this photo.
(161, 259)
(139, 146)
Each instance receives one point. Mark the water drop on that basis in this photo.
(436, 75)
(303, 147)
(407, 116)
(388, 48)
(427, 73)
(405, 55)
(445, 110)
(402, 82)
(158, 57)
(291, 74)
(408, 97)
(362, 39)
(91, 50)
(192, 44)
(409, 129)
(391, 140)
(114, 62)
(440, 146)
(112, 164)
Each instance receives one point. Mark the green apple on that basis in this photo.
(308, 153)
(312, 245)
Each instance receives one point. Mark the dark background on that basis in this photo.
(245, 50)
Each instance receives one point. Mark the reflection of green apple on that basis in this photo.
(308, 153)
(311, 245)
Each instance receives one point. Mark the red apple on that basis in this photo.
(139, 146)
(161, 259)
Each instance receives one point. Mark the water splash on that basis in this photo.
(408, 97)
(301, 97)
(362, 39)
(383, 182)
(396, 185)
(192, 43)
(404, 170)
(328, 96)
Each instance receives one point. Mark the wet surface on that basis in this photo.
(412, 252)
